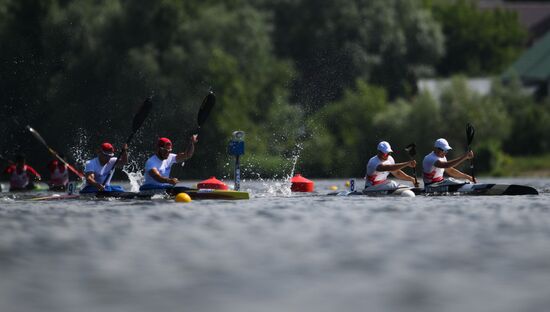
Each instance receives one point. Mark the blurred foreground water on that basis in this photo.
(278, 252)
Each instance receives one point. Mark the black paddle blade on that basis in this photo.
(411, 149)
(470, 131)
(142, 114)
(206, 107)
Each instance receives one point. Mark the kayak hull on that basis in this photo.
(488, 189)
(482, 189)
(197, 194)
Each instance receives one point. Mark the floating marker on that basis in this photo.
(301, 184)
(183, 198)
(213, 184)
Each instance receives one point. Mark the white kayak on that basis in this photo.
(452, 189)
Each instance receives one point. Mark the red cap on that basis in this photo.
(163, 142)
(107, 148)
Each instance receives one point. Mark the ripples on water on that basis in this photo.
(278, 253)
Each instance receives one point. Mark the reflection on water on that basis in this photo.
(278, 253)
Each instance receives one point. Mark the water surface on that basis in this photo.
(278, 252)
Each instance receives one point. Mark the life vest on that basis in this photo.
(18, 180)
(59, 175)
(430, 172)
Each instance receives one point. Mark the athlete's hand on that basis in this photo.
(100, 187)
(411, 163)
(416, 184)
(173, 181)
(194, 138)
(470, 155)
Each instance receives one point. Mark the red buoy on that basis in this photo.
(301, 184)
(213, 184)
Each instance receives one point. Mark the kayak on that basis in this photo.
(199, 193)
(193, 193)
(487, 189)
(402, 191)
(35, 187)
(481, 189)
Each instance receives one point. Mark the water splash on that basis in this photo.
(135, 175)
(280, 185)
(136, 179)
(79, 151)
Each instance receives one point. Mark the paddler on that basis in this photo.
(97, 169)
(22, 176)
(435, 165)
(381, 165)
(59, 174)
(158, 166)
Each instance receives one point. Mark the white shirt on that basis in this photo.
(100, 172)
(432, 173)
(376, 177)
(163, 167)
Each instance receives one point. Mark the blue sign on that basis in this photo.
(236, 148)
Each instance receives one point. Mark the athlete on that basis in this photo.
(435, 165)
(98, 169)
(59, 175)
(381, 165)
(158, 166)
(22, 176)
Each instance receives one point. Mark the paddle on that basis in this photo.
(204, 110)
(54, 153)
(139, 118)
(206, 106)
(411, 150)
(470, 131)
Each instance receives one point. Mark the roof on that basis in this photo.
(533, 15)
(534, 64)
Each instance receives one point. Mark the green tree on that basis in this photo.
(389, 43)
(477, 42)
(96, 61)
(343, 133)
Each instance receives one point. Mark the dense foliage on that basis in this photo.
(320, 84)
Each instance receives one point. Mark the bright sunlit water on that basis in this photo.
(278, 252)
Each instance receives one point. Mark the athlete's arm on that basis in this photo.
(188, 153)
(159, 178)
(458, 174)
(124, 157)
(90, 179)
(403, 176)
(455, 162)
(395, 167)
(35, 174)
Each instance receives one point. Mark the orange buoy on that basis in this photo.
(213, 184)
(301, 184)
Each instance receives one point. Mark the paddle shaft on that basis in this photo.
(470, 131)
(472, 167)
(414, 172)
(411, 150)
(54, 153)
(138, 120)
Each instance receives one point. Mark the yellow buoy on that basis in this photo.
(347, 183)
(183, 198)
(333, 187)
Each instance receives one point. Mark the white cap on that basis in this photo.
(384, 147)
(442, 144)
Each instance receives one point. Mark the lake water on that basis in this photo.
(278, 252)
